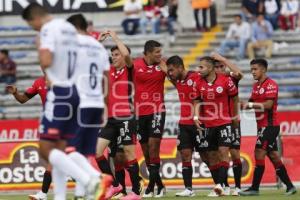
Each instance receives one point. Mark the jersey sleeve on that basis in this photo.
(231, 88)
(106, 64)
(32, 91)
(271, 91)
(47, 38)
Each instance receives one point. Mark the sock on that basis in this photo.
(59, 183)
(104, 166)
(187, 174)
(226, 175)
(282, 174)
(84, 164)
(151, 183)
(214, 170)
(154, 172)
(47, 179)
(258, 173)
(120, 176)
(223, 172)
(79, 190)
(237, 172)
(66, 165)
(133, 169)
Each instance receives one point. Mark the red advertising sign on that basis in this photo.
(22, 168)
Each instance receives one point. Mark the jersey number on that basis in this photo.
(72, 57)
(93, 75)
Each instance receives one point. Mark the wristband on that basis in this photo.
(196, 118)
(250, 104)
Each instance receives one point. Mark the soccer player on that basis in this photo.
(188, 136)
(121, 121)
(92, 72)
(58, 55)
(38, 87)
(149, 74)
(236, 75)
(214, 91)
(264, 101)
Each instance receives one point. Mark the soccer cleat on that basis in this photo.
(249, 192)
(38, 196)
(119, 196)
(131, 196)
(290, 191)
(236, 192)
(148, 193)
(161, 192)
(212, 194)
(185, 193)
(219, 190)
(142, 183)
(226, 191)
(106, 181)
(112, 191)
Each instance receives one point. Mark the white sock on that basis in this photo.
(82, 162)
(79, 190)
(60, 184)
(62, 162)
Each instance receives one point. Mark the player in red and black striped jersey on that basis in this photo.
(264, 100)
(188, 139)
(120, 126)
(39, 87)
(149, 74)
(236, 75)
(213, 93)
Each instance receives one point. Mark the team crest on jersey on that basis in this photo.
(189, 82)
(157, 68)
(261, 90)
(219, 89)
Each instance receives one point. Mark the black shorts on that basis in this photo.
(219, 136)
(202, 140)
(236, 138)
(188, 137)
(122, 131)
(267, 138)
(151, 126)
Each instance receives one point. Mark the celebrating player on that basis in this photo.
(38, 87)
(149, 75)
(264, 100)
(236, 75)
(58, 55)
(188, 136)
(121, 120)
(213, 91)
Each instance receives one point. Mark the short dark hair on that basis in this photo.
(117, 48)
(79, 21)
(150, 45)
(32, 10)
(238, 15)
(209, 59)
(175, 60)
(4, 51)
(260, 61)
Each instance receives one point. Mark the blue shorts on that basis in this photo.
(59, 120)
(86, 137)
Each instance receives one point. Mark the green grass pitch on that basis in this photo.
(200, 194)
